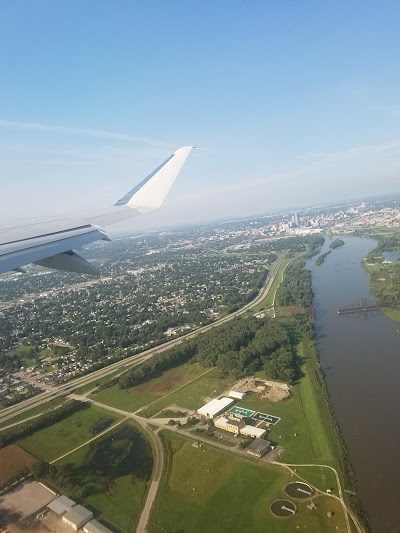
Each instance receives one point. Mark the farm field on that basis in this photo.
(193, 395)
(141, 395)
(205, 490)
(12, 460)
(59, 438)
(114, 483)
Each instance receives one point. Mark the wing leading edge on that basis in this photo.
(51, 243)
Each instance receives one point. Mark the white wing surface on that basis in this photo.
(51, 243)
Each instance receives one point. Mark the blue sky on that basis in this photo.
(289, 103)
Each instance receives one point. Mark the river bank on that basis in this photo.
(358, 356)
(335, 453)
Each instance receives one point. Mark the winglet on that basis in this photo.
(150, 193)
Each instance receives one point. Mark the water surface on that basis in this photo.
(391, 256)
(360, 357)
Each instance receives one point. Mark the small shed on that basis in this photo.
(252, 431)
(61, 505)
(237, 395)
(95, 527)
(77, 516)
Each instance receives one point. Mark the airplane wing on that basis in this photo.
(51, 243)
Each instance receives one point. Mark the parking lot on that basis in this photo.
(27, 498)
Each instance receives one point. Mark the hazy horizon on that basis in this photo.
(289, 106)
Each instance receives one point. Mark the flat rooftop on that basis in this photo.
(216, 406)
(95, 527)
(61, 505)
(78, 513)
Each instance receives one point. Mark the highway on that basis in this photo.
(67, 388)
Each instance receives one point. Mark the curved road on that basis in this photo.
(347, 512)
(158, 457)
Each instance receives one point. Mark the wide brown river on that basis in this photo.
(360, 357)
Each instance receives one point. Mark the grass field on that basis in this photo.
(34, 411)
(302, 431)
(288, 311)
(193, 395)
(62, 437)
(322, 478)
(318, 418)
(141, 395)
(12, 460)
(90, 386)
(216, 491)
(392, 312)
(25, 353)
(268, 300)
(120, 506)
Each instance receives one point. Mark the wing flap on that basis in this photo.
(18, 254)
(69, 262)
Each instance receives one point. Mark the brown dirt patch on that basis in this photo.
(12, 460)
(275, 392)
(272, 391)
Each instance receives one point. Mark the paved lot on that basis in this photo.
(27, 498)
(50, 523)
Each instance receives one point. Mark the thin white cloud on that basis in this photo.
(351, 153)
(357, 160)
(86, 132)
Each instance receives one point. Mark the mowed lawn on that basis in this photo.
(59, 438)
(125, 399)
(141, 395)
(209, 490)
(194, 394)
(318, 419)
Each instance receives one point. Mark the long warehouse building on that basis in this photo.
(215, 407)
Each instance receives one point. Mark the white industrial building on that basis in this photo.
(252, 431)
(61, 505)
(95, 527)
(237, 395)
(215, 407)
(77, 516)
